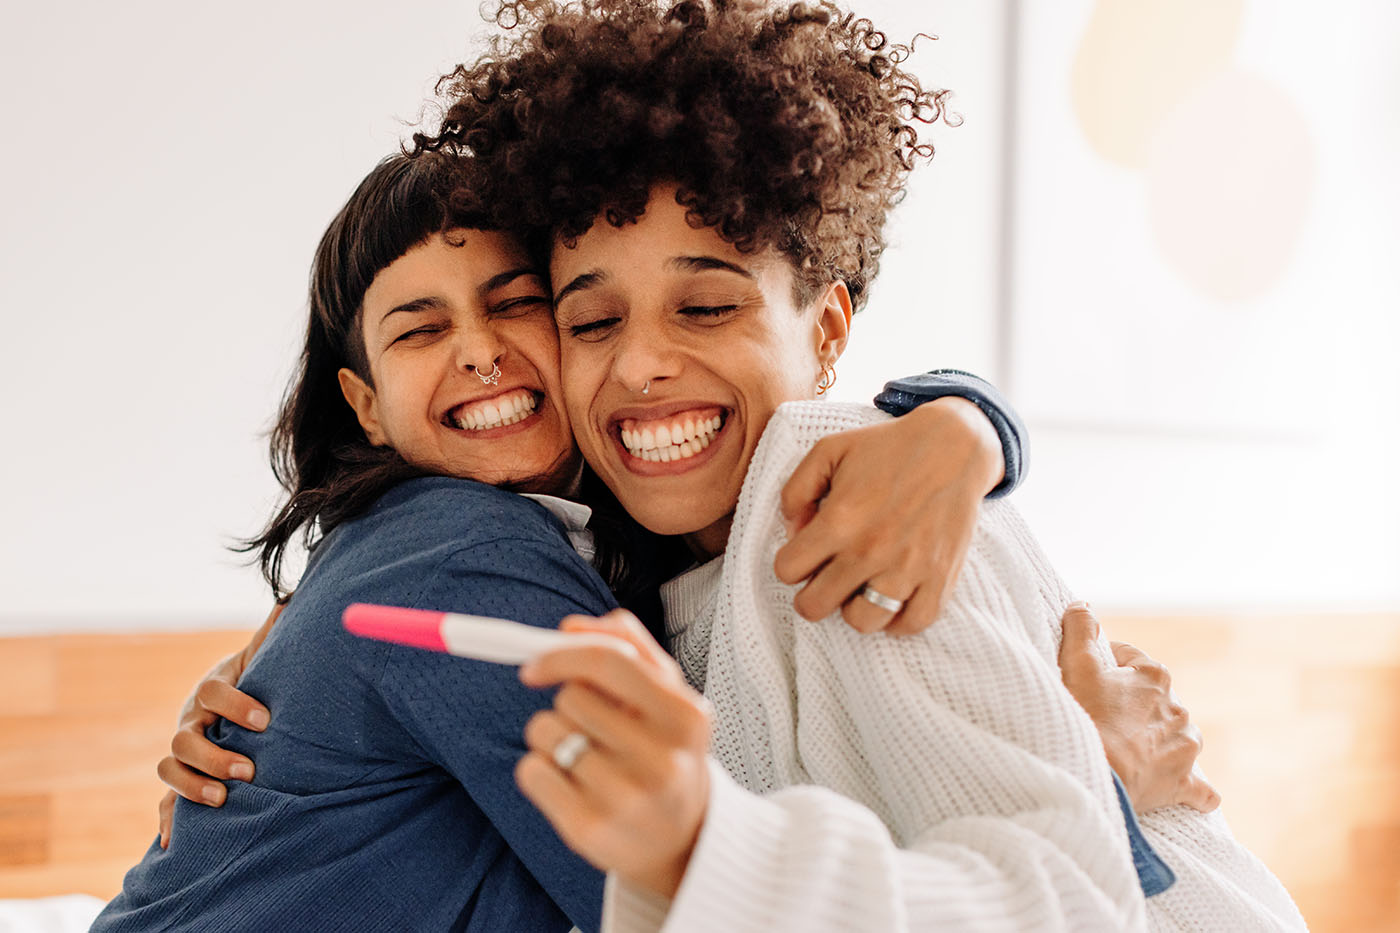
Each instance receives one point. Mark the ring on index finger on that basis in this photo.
(876, 598)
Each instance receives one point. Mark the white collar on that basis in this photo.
(574, 516)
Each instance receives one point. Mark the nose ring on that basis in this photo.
(491, 378)
(646, 388)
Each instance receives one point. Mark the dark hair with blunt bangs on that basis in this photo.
(788, 126)
(320, 455)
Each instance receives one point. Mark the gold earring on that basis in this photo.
(827, 380)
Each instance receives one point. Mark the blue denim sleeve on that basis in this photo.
(904, 395)
(469, 716)
(1153, 873)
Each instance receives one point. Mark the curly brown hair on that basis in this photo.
(789, 127)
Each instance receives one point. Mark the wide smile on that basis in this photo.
(491, 417)
(673, 442)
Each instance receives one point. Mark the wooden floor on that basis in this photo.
(1301, 716)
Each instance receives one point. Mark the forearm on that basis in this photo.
(902, 396)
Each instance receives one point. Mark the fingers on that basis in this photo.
(625, 626)
(605, 723)
(562, 802)
(167, 817)
(1197, 794)
(191, 749)
(657, 696)
(865, 616)
(1079, 631)
(829, 588)
(219, 698)
(190, 784)
(826, 536)
(809, 484)
(924, 607)
(1126, 655)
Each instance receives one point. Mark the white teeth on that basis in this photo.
(663, 443)
(496, 413)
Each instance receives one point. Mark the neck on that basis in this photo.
(709, 542)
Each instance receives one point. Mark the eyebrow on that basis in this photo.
(680, 263)
(417, 304)
(505, 278)
(434, 303)
(707, 263)
(587, 280)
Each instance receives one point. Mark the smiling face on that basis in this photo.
(463, 360)
(714, 337)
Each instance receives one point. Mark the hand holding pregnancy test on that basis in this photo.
(500, 641)
(618, 764)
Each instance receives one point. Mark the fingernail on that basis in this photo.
(259, 719)
(528, 671)
(214, 795)
(1078, 604)
(241, 771)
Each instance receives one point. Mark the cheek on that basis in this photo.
(578, 376)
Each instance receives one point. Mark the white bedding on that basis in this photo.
(68, 913)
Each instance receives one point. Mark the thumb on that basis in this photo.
(1079, 630)
(167, 817)
(624, 626)
(1197, 794)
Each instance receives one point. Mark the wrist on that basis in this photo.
(985, 456)
(664, 877)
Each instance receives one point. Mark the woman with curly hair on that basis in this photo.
(765, 336)
(384, 796)
(714, 179)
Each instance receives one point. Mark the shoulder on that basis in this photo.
(792, 431)
(441, 538)
(809, 421)
(462, 508)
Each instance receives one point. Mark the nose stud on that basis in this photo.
(493, 377)
(646, 388)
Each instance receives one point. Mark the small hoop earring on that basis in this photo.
(827, 380)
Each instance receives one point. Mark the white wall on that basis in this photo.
(169, 167)
(1231, 448)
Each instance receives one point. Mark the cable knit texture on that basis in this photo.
(942, 781)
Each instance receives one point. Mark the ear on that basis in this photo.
(833, 322)
(362, 399)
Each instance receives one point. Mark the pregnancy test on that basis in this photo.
(481, 637)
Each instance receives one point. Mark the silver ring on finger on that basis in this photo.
(876, 598)
(569, 750)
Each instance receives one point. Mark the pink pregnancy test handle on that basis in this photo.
(418, 628)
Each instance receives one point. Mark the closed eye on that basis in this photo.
(418, 332)
(595, 329)
(708, 310)
(520, 305)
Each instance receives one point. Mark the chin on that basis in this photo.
(673, 518)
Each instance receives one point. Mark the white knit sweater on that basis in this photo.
(943, 781)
